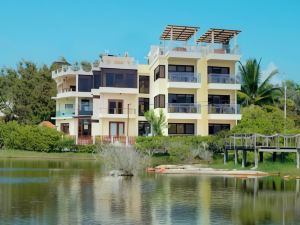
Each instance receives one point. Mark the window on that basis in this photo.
(181, 98)
(181, 68)
(84, 127)
(143, 106)
(64, 127)
(181, 128)
(159, 101)
(97, 78)
(144, 128)
(116, 128)
(69, 106)
(85, 107)
(159, 72)
(85, 83)
(144, 84)
(121, 78)
(215, 128)
(115, 106)
(217, 70)
(218, 99)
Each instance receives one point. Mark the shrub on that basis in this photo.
(33, 138)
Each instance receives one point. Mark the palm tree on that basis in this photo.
(157, 122)
(254, 90)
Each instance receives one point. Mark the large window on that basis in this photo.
(159, 101)
(97, 79)
(121, 78)
(144, 128)
(218, 99)
(217, 70)
(143, 106)
(85, 83)
(159, 72)
(144, 84)
(181, 98)
(181, 68)
(86, 107)
(116, 128)
(115, 106)
(181, 128)
(215, 128)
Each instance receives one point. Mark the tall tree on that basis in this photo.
(254, 90)
(26, 93)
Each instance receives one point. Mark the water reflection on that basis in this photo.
(80, 193)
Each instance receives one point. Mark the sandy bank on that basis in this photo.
(190, 169)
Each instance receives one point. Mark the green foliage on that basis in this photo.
(264, 120)
(179, 148)
(254, 90)
(25, 93)
(33, 138)
(157, 122)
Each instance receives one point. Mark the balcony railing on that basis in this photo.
(184, 108)
(184, 77)
(120, 111)
(224, 109)
(65, 113)
(85, 110)
(220, 49)
(223, 78)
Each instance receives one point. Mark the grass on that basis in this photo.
(9, 153)
(284, 167)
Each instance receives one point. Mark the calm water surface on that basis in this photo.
(72, 192)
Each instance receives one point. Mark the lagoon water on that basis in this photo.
(78, 192)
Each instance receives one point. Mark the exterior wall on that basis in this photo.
(73, 125)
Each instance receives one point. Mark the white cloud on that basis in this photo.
(277, 79)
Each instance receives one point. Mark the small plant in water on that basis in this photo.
(123, 161)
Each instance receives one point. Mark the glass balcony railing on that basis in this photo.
(184, 77)
(86, 111)
(65, 113)
(184, 108)
(224, 109)
(223, 78)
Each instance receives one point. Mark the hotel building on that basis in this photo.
(193, 80)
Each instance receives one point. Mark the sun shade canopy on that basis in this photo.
(220, 35)
(178, 33)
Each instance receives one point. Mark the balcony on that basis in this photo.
(183, 80)
(224, 111)
(221, 52)
(85, 111)
(224, 81)
(70, 70)
(180, 110)
(65, 114)
(120, 113)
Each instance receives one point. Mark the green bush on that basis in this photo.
(33, 138)
(179, 148)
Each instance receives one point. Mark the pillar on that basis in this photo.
(244, 160)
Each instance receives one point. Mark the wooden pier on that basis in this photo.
(260, 144)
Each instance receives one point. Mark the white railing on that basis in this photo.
(219, 49)
(223, 78)
(184, 108)
(184, 77)
(224, 109)
(70, 70)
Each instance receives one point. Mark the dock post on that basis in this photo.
(298, 159)
(255, 157)
(274, 156)
(261, 156)
(244, 160)
(236, 155)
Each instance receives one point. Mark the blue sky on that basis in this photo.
(43, 30)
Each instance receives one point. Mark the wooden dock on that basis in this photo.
(260, 144)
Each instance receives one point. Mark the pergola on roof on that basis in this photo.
(220, 35)
(178, 33)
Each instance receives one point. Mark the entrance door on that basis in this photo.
(84, 127)
(116, 128)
